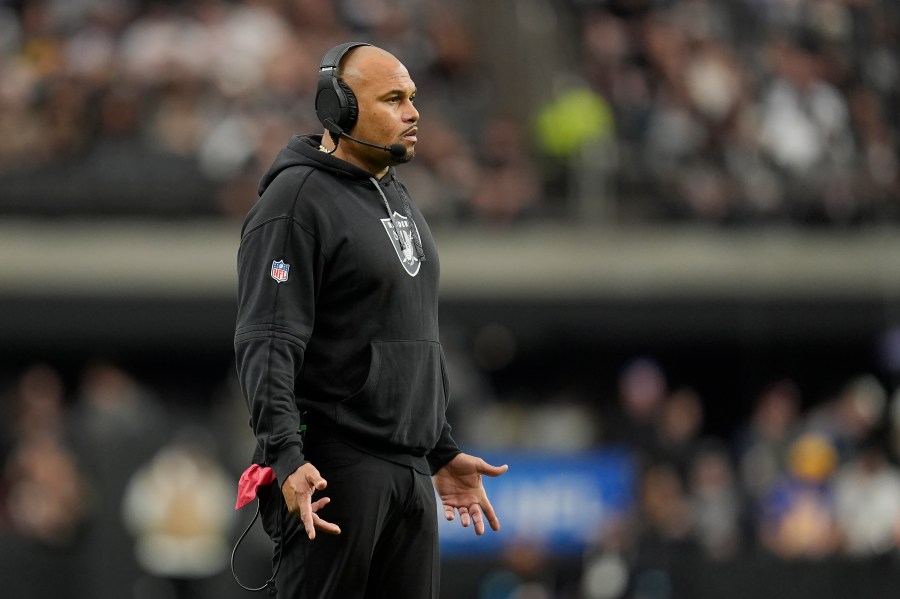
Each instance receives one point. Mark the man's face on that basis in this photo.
(387, 116)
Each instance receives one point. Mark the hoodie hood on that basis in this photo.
(304, 150)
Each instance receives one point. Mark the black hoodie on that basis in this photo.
(337, 324)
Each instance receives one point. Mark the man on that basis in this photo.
(338, 353)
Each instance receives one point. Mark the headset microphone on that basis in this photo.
(398, 151)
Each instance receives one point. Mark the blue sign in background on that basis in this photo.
(561, 502)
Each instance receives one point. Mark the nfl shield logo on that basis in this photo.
(280, 271)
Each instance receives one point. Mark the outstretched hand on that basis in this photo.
(460, 488)
(298, 490)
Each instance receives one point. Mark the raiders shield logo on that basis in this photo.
(401, 238)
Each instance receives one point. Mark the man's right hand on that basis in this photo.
(298, 490)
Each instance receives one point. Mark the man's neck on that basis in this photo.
(328, 146)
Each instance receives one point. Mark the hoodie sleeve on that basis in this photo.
(444, 451)
(279, 270)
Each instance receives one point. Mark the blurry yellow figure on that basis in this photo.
(178, 507)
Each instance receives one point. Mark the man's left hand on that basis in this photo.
(460, 488)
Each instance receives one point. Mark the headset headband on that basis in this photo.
(332, 58)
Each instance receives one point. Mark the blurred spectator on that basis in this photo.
(510, 187)
(665, 529)
(880, 181)
(804, 131)
(178, 507)
(851, 417)
(762, 444)
(718, 503)
(572, 132)
(118, 425)
(798, 519)
(867, 491)
(678, 430)
(37, 407)
(664, 504)
(44, 498)
(642, 389)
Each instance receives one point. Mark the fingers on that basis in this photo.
(306, 516)
(472, 516)
(298, 491)
(315, 481)
(477, 520)
(301, 486)
(319, 504)
(484, 468)
(488, 510)
(325, 526)
(464, 517)
(448, 513)
(316, 522)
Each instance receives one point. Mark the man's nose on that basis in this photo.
(411, 115)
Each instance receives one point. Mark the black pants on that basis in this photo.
(388, 546)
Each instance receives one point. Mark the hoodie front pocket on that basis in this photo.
(404, 397)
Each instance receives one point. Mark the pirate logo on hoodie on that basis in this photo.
(399, 229)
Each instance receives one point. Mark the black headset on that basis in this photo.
(336, 104)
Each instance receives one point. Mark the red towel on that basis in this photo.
(252, 479)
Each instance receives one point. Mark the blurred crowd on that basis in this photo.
(126, 494)
(751, 110)
(728, 112)
(174, 108)
(118, 492)
(799, 480)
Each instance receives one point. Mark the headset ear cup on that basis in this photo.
(352, 112)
